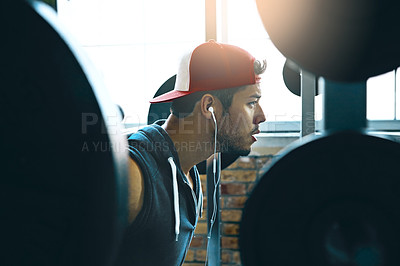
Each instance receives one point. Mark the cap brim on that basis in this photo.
(169, 96)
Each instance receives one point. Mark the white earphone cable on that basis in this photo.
(216, 183)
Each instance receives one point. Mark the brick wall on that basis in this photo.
(237, 181)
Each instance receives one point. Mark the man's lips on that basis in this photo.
(257, 131)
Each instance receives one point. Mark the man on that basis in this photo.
(216, 92)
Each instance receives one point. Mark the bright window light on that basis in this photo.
(136, 46)
(381, 97)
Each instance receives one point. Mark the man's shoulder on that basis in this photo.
(146, 133)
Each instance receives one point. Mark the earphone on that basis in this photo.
(216, 182)
(211, 109)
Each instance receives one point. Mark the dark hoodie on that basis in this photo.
(162, 231)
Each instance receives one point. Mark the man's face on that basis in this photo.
(237, 127)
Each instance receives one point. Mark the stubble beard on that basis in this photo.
(229, 141)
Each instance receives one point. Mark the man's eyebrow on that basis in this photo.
(258, 96)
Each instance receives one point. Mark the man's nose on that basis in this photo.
(259, 116)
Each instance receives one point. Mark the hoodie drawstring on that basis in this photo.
(200, 202)
(176, 197)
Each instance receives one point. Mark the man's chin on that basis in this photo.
(237, 151)
(244, 152)
(231, 148)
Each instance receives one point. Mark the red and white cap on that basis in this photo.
(211, 66)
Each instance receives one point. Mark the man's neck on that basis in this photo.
(192, 144)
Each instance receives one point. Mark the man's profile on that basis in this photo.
(216, 91)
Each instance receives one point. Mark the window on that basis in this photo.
(137, 46)
(244, 27)
(381, 103)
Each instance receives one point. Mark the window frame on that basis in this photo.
(216, 27)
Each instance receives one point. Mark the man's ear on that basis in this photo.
(206, 102)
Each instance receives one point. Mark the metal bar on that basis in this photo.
(52, 3)
(211, 19)
(395, 94)
(224, 21)
(213, 209)
(308, 87)
(344, 105)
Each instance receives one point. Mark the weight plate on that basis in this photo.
(331, 200)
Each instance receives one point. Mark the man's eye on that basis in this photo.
(252, 104)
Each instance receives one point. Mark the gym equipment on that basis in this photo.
(330, 199)
(292, 78)
(305, 85)
(338, 40)
(121, 111)
(332, 196)
(64, 165)
(161, 110)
